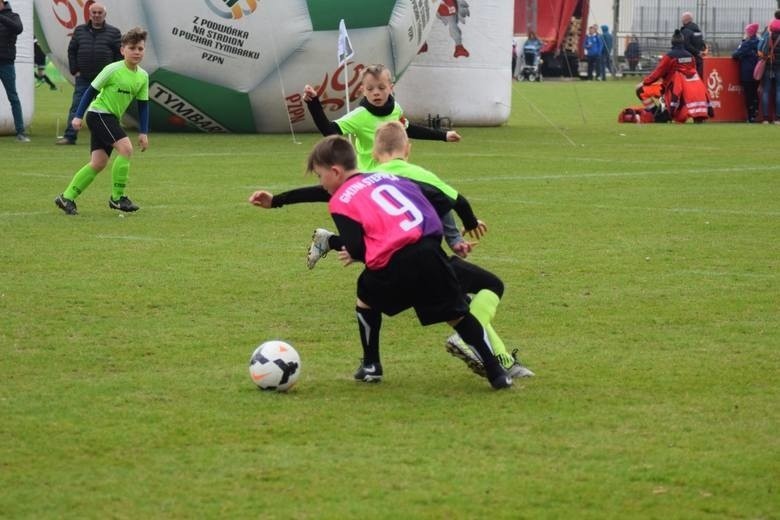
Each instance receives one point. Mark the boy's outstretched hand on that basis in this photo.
(478, 232)
(143, 141)
(309, 93)
(262, 198)
(453, 136)
(344, 257)
(463, 248)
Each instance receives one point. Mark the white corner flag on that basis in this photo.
(345, 53)
(345, 46)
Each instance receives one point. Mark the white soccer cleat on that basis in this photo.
(517, 369)
(461, 350)
(319, 247)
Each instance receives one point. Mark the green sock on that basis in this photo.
(80, 181)
(119, 172)
(483, 307)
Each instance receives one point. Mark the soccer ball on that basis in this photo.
(275, 365)
(240, 65)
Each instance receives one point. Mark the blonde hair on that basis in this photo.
(390, 139)
(376, 71)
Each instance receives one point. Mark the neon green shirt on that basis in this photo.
(362, 124)
(402, 168)
(118, 87)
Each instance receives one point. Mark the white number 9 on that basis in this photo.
(381, 194)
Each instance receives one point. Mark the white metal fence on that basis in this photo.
(721, 21)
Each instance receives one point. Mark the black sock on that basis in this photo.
(471, 332)
(369, 324)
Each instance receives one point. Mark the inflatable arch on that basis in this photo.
(240, 65)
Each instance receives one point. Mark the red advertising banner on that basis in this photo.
(721, 76)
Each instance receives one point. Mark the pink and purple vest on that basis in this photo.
(392, 211)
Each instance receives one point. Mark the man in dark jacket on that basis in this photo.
(10, 28)
(694, 41)
(93, 45)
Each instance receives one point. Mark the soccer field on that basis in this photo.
(641, 270)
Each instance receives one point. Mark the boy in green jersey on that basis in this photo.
(377, 106)
(117, 85)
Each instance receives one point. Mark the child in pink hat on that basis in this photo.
(747, 55)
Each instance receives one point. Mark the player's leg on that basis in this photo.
(369, 325)
(84, 177)
(474, 334)
(427, 281)
(487, 289)
(120, 169)
(483, 306)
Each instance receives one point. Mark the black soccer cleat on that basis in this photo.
(123, 204)
(369, 372)
(66, 205)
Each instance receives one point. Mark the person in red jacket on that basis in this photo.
(684, 91)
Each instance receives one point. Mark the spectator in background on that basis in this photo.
(93, 45)
(747, 54)
(40, 66)
(694, 40)
(633, 53)
(10, 27)
(606, 53)
(770, 82)
(593, 48)
(532, 50)
(514, 59)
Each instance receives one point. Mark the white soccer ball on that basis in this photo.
(275, 365)
(241, 65)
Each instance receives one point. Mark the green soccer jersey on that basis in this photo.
(118, 87)
(416, 173)
(362, 124)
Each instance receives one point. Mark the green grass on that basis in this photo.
(641, 265)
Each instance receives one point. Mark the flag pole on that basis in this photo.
(346, 84)
(345, 52)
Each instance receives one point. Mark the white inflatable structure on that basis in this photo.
(465, 74)
(25, 73)
(240, 65)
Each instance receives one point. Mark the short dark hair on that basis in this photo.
(777, 14)
(134, 36)
(330, 151)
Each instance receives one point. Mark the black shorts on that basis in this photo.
(418, 276)
(105, 130)
(473, 278)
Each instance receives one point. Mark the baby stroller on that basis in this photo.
(530, 65)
